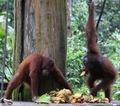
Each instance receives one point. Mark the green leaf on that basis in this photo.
(45, 98)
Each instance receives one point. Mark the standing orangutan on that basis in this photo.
(97, 66)
(31, 70)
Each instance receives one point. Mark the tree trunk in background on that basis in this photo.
(69, 14)
(40, 26)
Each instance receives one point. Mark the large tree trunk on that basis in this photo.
(40, 26)
(69, 14)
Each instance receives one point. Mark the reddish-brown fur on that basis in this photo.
(30, 70)
(97, 66)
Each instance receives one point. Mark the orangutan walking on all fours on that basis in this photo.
(32, 68)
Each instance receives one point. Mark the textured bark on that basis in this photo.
(40, 26)
(69, 14)
(18, 45)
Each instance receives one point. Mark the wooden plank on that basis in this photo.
(114, 103)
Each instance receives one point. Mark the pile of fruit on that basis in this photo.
(62, 96)
(66, 96)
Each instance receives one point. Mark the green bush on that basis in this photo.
(9, 46)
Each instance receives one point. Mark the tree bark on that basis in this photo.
(69, 14)
(40, 26)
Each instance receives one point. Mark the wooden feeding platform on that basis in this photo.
(113, 103)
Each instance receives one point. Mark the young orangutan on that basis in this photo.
(30, 70)
(97, 66)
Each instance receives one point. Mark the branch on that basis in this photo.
(100, 14)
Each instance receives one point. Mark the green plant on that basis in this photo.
(9, 46)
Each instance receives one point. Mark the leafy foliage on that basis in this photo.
(76, 48)
(11, 12)
(108, 39)
(10, 38)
